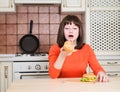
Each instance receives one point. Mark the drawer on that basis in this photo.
(111, 68)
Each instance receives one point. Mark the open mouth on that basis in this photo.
(70, 35)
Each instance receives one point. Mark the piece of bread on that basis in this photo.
(68, 46)
(89, 75)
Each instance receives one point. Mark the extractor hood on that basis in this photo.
(37, 1)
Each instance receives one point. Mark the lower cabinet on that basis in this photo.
(5, 75)
(112, 67)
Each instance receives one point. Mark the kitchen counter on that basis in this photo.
(64, 85)
(6, 57)
(11, 57)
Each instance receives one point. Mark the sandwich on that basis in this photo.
(89, 78)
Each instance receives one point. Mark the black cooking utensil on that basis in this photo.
(29, 43)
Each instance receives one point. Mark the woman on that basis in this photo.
(63, 64)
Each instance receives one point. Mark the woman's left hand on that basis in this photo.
(102, 77)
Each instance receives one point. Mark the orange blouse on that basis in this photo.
(75, 64)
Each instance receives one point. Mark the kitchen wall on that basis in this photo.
(46, 20)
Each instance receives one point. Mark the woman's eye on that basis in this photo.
(66, 28)
(75, 28)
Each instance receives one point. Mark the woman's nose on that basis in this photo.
(70, 30)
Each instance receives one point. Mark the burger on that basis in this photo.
(68, 46)
(89, 78)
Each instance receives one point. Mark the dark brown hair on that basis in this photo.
(68, 20)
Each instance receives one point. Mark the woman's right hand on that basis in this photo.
(64, 52)
(61, 58)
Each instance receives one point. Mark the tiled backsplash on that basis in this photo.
(46, 20)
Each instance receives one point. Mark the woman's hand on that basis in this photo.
(64, 52)
(60, 60)
(102, 77)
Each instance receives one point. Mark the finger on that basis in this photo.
(62, 49)
(69, 53)
(101, 78)
(105, 79)
(98, 77)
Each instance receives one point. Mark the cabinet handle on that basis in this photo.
(64, 3)
(112, 62)
(88, 3)
(11, 5)
(112, 74)
(6, 71)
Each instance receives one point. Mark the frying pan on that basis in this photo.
(29, 43)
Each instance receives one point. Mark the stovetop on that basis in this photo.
(38, 56)
(31, 54)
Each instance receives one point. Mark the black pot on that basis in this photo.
(29, 43)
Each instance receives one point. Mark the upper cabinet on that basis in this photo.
(72, 5)
(37, 1)
(103, 26)
(66, 5)
(105, 5)
(7, 6)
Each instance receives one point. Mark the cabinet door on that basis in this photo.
(103, 26)
(6, 75)
(7, 6)
(73, 5)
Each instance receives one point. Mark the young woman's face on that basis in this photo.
(71, 32)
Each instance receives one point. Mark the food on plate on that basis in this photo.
(68, 46)
(89, 78)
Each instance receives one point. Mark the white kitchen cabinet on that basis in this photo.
(5, 75)
(103, 26)
(7, 6)
(73, 6)
(102, 33)
(37, 1)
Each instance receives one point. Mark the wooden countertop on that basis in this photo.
(64, 85)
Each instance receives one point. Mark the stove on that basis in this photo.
(30, 65)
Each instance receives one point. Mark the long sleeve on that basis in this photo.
(53, 55)
(93, 62)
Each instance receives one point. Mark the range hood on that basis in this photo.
(37, 1)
